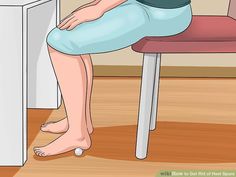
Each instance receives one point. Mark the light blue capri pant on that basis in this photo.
(120, 27)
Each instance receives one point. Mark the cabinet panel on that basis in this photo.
(42, 83)
(12, 89)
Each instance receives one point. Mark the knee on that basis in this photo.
(54, 37)
(60, 41)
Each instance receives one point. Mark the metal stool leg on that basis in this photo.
(145, 104)
(155, 93)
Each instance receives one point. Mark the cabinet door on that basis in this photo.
(43, 91)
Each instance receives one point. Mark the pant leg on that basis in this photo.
(118, 28)
(167, 22)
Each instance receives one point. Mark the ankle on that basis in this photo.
(78, 133)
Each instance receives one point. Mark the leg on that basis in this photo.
(62, 125)
(89, 69)
(86, 38)
(155, 93)
(145, 104)
(95, 36)
(71, 75)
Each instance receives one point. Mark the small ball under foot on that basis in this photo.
(78, 152)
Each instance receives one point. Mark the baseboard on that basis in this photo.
(167, 71)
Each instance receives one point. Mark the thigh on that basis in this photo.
(116, 29)
(166, 22)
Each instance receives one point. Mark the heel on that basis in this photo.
(79, 151)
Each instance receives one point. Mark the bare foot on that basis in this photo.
(67, 142)
(61, 126)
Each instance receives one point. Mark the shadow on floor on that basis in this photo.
(35, 118)
(171, 142)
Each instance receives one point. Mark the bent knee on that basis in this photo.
(54, 36)
(60, 40)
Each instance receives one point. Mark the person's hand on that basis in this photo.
(80, 16)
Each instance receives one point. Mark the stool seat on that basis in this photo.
(206, 34)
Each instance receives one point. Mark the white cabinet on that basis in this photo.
(27, 78)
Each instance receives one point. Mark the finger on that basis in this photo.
(68, 23)
(67, 17)
(65, 20)
(73, 25)
(74, 11)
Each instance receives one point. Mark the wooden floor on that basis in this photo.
(196, 130)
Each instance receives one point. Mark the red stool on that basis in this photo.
(206, 34)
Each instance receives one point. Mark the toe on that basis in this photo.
(41, 154)
(37, 152)
(45, 124)
(43, 128)
(36, 148)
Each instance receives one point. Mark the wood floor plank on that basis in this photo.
(196, 130)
